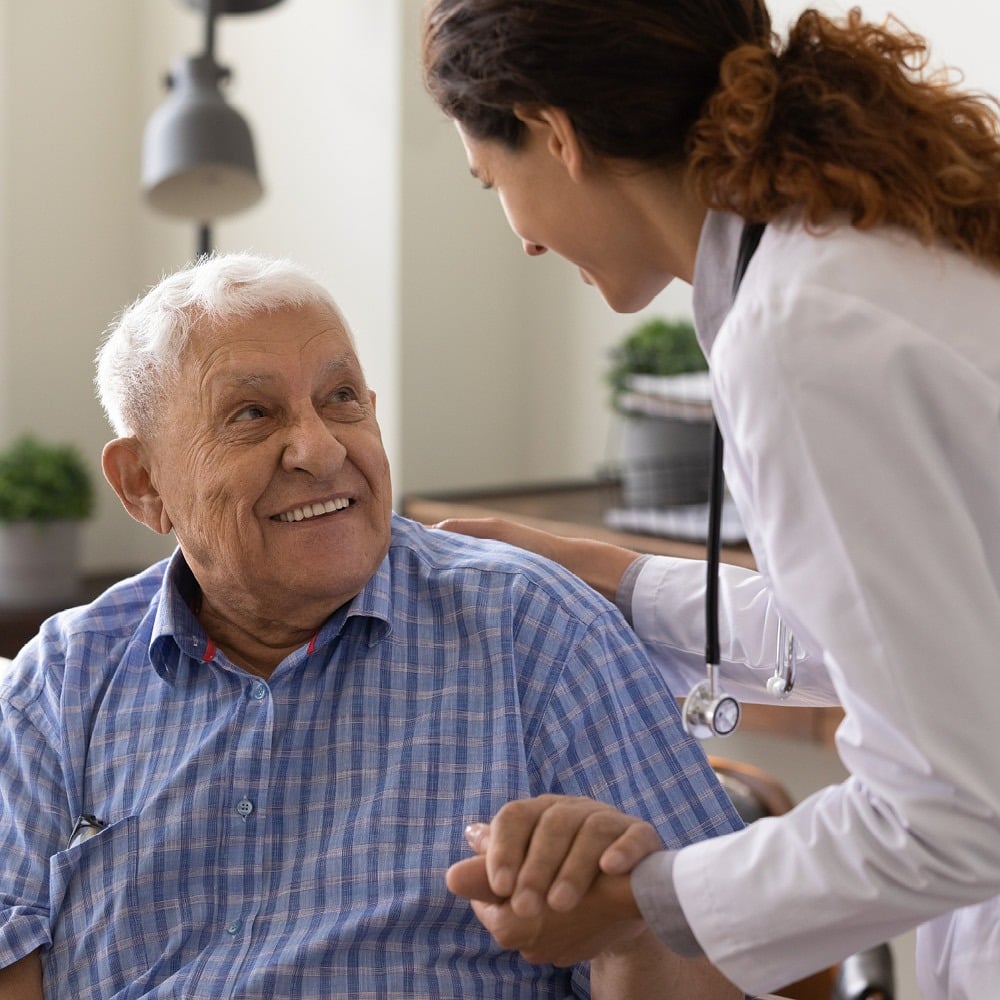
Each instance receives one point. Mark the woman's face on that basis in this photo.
(594, 214)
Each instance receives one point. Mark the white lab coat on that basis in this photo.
(857, 384)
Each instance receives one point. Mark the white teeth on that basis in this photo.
(314, 510)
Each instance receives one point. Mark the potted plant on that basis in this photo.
(45, 494)
(659, 383)
(658, 347)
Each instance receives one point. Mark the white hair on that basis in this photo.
(139, 359)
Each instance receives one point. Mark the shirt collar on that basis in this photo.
(177, 632)
(715, 262)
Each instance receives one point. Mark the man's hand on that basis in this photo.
(549, 879)
(549, 850)
(604, 920)
(23, 979)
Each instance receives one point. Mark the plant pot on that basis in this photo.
(665, 460)
(39, 564)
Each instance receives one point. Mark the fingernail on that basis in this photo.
(475, 835)
(562, 896)
(611, 861)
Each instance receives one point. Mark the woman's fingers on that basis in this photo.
(637, 842)
(600, 564)
(606, 918)
(532, 539)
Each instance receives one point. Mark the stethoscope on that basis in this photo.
(709, 711)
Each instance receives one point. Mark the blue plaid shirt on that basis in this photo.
(289, 838)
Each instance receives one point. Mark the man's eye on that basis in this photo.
(251, 412)
(347, 394)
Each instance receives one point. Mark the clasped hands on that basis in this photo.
(550, 877)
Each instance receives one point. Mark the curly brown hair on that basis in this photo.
(843, 119)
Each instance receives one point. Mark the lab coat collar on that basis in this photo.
(718, 248)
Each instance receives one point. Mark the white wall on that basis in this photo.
(70, 216)
(488, 365)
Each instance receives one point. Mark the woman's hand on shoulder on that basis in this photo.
(514, 533)
(600, 564)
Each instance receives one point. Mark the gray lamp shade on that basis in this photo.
(198, 160)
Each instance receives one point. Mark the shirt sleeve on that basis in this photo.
(33, 808)
(611, 730)
(867, 453)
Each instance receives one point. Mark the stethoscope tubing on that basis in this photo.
(709, 712)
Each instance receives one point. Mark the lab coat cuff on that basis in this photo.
(626, 586)
(653, 888)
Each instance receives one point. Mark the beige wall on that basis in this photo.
(488, 365)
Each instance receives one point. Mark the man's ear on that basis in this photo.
(558, 133)
(126, 468)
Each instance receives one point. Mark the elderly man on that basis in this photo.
(244, 771)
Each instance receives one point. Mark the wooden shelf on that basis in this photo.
(577, 510)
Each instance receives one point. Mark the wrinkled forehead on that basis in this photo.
(315, 330)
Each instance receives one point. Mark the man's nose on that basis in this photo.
(313, 447)
(534, 249)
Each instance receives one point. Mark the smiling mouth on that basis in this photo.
(311, 510)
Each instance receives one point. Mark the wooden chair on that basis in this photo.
(867, 975)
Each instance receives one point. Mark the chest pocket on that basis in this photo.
(94, 903)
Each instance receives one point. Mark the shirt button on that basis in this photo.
(259, 691)
(234, 928)
(244, 807)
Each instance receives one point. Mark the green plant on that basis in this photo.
(43, 482)
(655, 347)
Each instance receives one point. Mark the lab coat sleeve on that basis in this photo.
(668, 614)
(867, 454)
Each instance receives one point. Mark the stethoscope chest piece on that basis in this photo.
(709, 712)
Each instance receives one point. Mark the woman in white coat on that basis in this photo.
(856, 381)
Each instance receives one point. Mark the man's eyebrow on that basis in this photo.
(251, 380)
(345, 361)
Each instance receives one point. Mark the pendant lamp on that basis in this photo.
(198, 159)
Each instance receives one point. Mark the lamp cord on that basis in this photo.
(211, 10)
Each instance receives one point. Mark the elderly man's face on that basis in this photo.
(270, 466)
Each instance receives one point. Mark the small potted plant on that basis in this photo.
(46, 493)
(659, 383)
(657, 347)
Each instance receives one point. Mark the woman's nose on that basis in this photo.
(534, 249)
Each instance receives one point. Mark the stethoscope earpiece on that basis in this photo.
(776, 686)
(781, 682)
